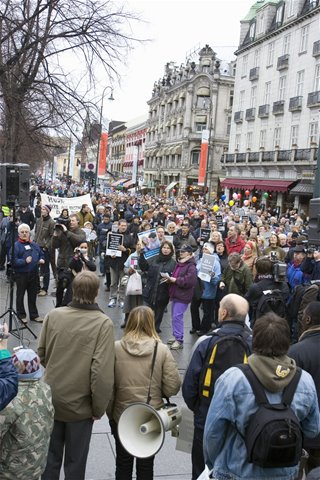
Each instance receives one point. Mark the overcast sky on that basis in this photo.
(176, 28)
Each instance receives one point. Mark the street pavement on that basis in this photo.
(170, 464)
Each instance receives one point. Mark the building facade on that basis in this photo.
(116, 149)
(186, 101)
(275, 118)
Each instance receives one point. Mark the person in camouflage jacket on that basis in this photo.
(26, 423)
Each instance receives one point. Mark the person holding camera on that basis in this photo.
(264, 282)
(66, 239)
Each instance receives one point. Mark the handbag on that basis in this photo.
(134, 285)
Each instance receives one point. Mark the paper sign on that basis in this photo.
(206, 268)
(114, 240)
(150, 243)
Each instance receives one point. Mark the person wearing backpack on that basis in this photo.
(275, 296)
(231, 344)
(231, 448)
(306, 353)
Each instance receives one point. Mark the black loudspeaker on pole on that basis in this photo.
(14, 184)
(314, 222)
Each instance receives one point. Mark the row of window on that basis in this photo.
(168, 108)
(286, 47)
(248, 138)
(281, 91)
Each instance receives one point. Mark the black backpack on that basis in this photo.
(221, 354)
(273, 437)
(271, 301)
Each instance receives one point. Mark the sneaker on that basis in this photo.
(171, 341)
(37, 319)
(121, 303)
(176, 345)
(42, 293)
(112, 303)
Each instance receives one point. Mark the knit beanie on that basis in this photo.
(47, 207)
(27, 364)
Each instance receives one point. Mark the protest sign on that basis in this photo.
(114, 240)
(150, 243)
(220, 223)
(204, 235)
(73, 204)
(206, 269)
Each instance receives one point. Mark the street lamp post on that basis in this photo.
(100, 132)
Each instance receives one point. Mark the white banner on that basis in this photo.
(73, 204)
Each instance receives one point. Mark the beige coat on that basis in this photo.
(77, 348)
(132, 374)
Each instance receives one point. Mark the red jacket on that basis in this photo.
(236, 246)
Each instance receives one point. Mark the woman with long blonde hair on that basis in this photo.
(134, 377)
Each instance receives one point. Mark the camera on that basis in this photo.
(311, 250)
(280, 272)
(62, 221)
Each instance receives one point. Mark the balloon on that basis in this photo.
(235, 196)
(223, 197)
(265, 195)
(246, 203)
(254, 199)
(231, 203)
(247, 193)
(215, 208)
(239, 196)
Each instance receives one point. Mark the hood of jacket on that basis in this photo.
(275, 373)
(141, 347)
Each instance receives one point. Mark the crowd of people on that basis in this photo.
(239, 269)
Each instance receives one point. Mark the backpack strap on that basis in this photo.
(257, 388)
(290, 389)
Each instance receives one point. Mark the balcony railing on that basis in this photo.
(229, 158)
(263, 111)
(283, 62)
(250, 113)
(313, 99)
(254, 74)
(302, 154)
(238, 117)
(278, 107)
(316, 49)
(295, 103)
(284, 156)
(253, 157)
(241, 157)
(268, 156)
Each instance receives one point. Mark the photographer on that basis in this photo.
(66, 240)
(80, 261)
(265, 281)
(311, 264)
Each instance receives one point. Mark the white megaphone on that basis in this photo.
(141, 428)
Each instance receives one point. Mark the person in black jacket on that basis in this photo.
(306, 353)
(264, 281)
(156, 291)
(117, 289)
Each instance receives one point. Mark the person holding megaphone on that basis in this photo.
(145, 372)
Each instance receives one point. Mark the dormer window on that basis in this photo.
(252, 31)
(279, 15)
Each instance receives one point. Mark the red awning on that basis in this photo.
(274, 185)
(250, 183)
(238, 182)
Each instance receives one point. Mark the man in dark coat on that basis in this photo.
(306, 353)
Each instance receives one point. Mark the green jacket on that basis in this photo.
(25, 429)
(76, 346)
(237, 281)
